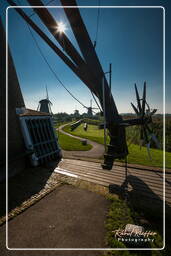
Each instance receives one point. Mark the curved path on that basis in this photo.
(96, 152)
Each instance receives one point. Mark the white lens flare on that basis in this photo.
(61, 27)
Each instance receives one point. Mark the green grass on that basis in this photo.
(69, 143)
(140, 156)
(93, 133)
(120, 214)
(57, 124)
(136, 155)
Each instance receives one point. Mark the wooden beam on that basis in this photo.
(84, 77)
(51, 25)
(90, 56)
(91, 73)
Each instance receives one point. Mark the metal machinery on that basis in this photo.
(88, 68)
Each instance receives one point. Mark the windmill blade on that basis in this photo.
(153, 112)
(141, 133)
(144, 99)
(133, 137)
(148, 129)
(47, 96)
(148, 151)
(135, 109)
(154, 138)
(141, 137)
(138, 98)
(141, 143)
(146, 135)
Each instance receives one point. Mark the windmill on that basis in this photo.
(90, 109)
(88, 68)
(144, 113)
(45, 104)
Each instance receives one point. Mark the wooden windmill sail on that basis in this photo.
(88, 68)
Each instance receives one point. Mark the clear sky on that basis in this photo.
(131, 39)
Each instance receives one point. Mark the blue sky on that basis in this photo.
(131, 39)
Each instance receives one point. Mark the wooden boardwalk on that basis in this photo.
(145, 182)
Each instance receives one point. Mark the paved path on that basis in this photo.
(143, 182)
(96, 152)
(69, 217)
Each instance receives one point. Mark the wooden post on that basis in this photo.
(104, 111)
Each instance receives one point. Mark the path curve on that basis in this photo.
(96, 152)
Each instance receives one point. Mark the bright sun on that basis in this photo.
(61, 27)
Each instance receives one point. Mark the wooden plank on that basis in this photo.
(91, 172)
(115, 169)
(96, 179)
(113, 177)
(143, 175)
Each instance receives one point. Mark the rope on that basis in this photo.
(96, 102)
(33, 13)
(52, 70)
(50, 67)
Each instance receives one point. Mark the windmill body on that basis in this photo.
(16, 161)
(45, 104)
(90, 110)
(31, 138)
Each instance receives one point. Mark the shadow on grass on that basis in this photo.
(148, 209)
(24, 185)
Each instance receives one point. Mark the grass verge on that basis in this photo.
(69, 143)
(120, 214)
(136, 155)
(92, 133)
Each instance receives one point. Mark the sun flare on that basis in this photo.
(61, 27)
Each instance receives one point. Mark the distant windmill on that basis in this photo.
(90, 109)
(45, 104)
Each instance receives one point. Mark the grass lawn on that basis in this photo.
(93, 133)
(69, 143)
(136, 155)
(56, 125)
(120, 214)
